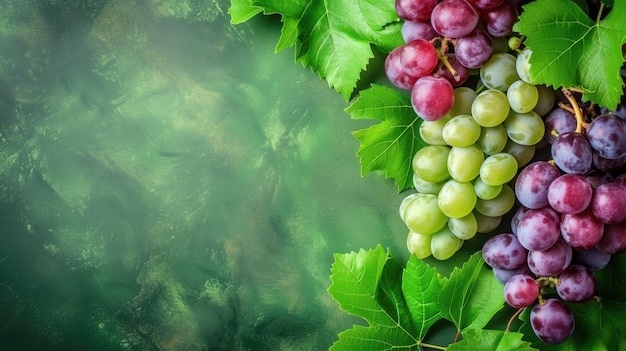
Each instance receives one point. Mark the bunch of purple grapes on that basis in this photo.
(442, 44)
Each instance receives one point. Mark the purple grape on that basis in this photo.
(598, 177)
(415, 10)
(499, 21)
(559, 121)
(607, 136)
(614, 239)
(538, 229)
(432, 97)
(608, 165)
(576, 284)
(621, 180)
(418, 58)
(570, 193)
(461, 71)
(552, 321)
(486, 4)
(417, 30)
(474, 49)
(581, 230)
(531, 185)
(572, 153)
(608, 203)
(454, 18)
(503, 275)
(592, 258)
(517, 216)
(503, 251)
(396, 72)
(552, 261)
(521, 290)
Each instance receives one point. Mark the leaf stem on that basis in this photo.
(431, 346)
(600, 12)
(580, 122)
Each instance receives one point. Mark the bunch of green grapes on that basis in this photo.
(462, 177)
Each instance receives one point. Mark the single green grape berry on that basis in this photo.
(499, 205)
(490, 108)
(524, 128)
(423, 215)
(431, 163)
(498, 169)
(444, 244)
(457, 199)
(419, 244)
(465, 227)
(464, 163)
(461, 130)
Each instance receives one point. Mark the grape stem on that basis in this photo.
(517, 313)
(580, 122)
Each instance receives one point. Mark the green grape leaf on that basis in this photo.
(241, 11)
(420, 284)
(493, 340)
(571, 50)
(391, 144)
(472, 295)
(334, 37)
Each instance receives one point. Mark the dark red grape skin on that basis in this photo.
(570, 193)
(581, 230)
(531, 185)
(592, 258)
(576, 284)
(461, 71)
(607, 136)
(538, 229)
(454, 18)
(474, 49)
(415, 10)
(557, 122)
(609, 203)
(396, 74)
(503, 251)
(572, 153)
(550, 262)
(552, 321)
(499, 21)
(613, 239)
(417, 30)
(521, 290)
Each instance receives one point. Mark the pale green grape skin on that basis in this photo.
(524, 128)
(464, 163)
(498, 169)
(490, 108)
(419, 244)
(465, 227)
(522, 66)
(405, 202)
(522, 96)
(430, 163)
(463, 99)
(444, 244)
(523, 153)
(485, 191)
(499, 205)
(461, 131)
(457, 199)
(425, 187)
(499, 72)
(492, 140)
(486, 224)
(432, 131)
(423, 215)
(545, 103)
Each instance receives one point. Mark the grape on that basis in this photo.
(474, 49)
(454, 18)
(457, 199)
(531, 185)
(503, 275)
(498, 169)
(592, 258)
(485, 191)
(524, 128)
(608, 203)
(499, 21)
(552, 321)
(463, 228)
(559, 121)
(395, 71)
(522, 96)
(418, 58)
(613, 239)
(492, 140)
(412, 10)
(461, 131)
(463, 99)
(517, 216)
(545, 102)
(464, 163)
(462, 72)
(522, 153)
(576, 284)
(608, 165)
(486, 224)
(571, 153)
(405, 202)
(620, 180)
(581, 230)
(607, 136)
(422, 214)
(521, 290)
(426, 187)
(490, 108)
(432, 131)
(486, 4)
(444, 244)
(570, 193)
(552, 261)
(499, 205)
(430, 163)
(499, 72)
(522, 65)
(538, 229)
(503, 251)
(419, 244)
(412, 30)
(432, 97)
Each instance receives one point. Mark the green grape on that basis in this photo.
(405, 202)
(524, 128)
(430, 163)
(432, 131)
(490, 108)
(464, 163)
(463, 98)
(498, 169)
(444, 244)
(522, 96)
(485, 191)
(523, 153)
(465, 227)
(492, 140)
(545, 103)
(522, 66)
(486, 224)
(499, 72)
(425, 187)
(456, 199)
(499, 205)
(461, 131)
(419, 244)
(422, 214)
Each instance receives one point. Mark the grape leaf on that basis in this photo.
(571, 50)
(334, 37)
(391, 144)
(486, 339)
(420, 283)
(472, 295)
(241, 11)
